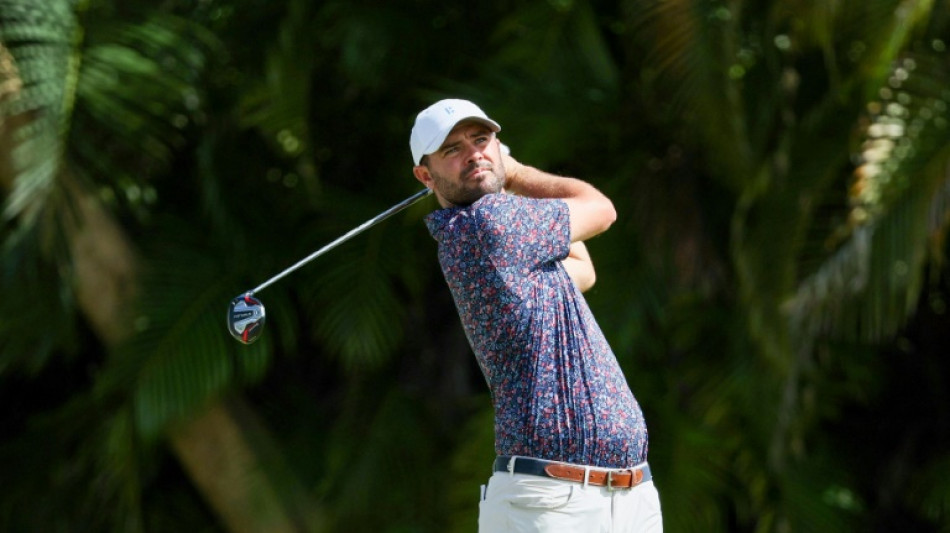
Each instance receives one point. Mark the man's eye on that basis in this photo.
(450, 151)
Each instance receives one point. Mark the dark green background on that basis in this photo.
(774, 287)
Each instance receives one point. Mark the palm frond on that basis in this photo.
(41, 37)
(400, 447)
(353, 299)
(571, 41)
(137, 97)
(104, 102)
(131, 88)
(278, 105)
(899, 205)
(696, 56)
(705, 55)
(182, 357)
(26, 275)
(364, 327)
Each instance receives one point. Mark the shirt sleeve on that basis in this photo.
(524, 232)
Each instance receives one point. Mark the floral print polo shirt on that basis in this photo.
(557, 389)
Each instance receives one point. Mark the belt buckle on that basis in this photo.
(635, 477)
(610, 482)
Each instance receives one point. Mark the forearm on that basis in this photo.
(525, 180)
(580, 267)
(591, 212)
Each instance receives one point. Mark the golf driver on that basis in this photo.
(246, 313)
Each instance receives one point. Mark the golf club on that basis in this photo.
(246, 313)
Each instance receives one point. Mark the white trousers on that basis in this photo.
(523, 503)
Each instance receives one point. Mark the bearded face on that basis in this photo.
(471, 183)
(466, 167)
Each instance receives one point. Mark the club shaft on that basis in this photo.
(345, 237)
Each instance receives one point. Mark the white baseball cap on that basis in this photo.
(434, 123)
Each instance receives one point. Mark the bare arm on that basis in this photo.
(591, 212)
(580, 267)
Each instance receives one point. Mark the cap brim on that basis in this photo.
(436, 143)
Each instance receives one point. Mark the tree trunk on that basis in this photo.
(222, 449)
(226, 451)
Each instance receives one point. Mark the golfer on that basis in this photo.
(570, 437)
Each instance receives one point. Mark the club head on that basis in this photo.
(246, 318)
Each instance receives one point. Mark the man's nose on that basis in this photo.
(473, 153)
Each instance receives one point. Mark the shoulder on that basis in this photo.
(486, 209)
(516, 215)
(493, 203)
(505, 204)
(464, 219)
(504, 208)
(496, 211)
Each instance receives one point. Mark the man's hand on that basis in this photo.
(512, 170)
(591, 212)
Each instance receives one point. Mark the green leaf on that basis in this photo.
(183, 357)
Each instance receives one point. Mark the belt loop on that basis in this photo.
(511, 465)
(586, 475)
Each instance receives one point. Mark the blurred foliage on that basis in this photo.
(775, 286)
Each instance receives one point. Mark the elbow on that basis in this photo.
(582, 275)
(591, 217)
(608, 214)
(588, 281)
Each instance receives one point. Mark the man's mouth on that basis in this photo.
(477, 169)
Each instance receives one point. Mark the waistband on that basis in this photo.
(612, 478)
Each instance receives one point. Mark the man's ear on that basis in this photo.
(421, 172)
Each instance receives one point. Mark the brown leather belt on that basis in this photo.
(613, 479)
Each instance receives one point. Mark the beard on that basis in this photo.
(462, 192)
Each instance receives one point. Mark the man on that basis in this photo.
(569, 434)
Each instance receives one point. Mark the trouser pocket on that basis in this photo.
(537, 493)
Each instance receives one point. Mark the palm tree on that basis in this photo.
(776, 102)
(154, 168)
(146, 89)
(94, 108)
